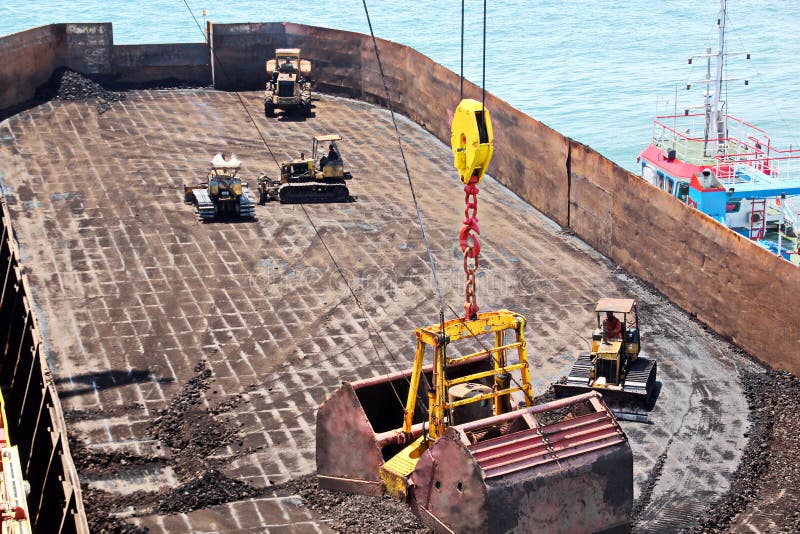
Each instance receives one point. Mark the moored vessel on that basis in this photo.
(726, 167)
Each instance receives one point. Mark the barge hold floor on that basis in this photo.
(207, 347)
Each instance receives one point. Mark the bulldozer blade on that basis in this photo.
(625, 406)
(635, 396)
(636, 417)
(564, 466)
(359, 427)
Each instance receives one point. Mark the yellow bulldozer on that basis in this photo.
(222, 195)
(288, 83)
(308, 180)
(614, 366)
(459, 437)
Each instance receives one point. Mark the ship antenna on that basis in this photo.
(716, 109)
(713, 101)
(675, 120)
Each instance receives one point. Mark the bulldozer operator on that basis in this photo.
(287, 67)
(332, 156)
(612, 327)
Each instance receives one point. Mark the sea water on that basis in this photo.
(597, 71)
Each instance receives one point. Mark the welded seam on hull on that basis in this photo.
(569, 182)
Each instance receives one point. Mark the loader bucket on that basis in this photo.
(357, 427)
(564, 466)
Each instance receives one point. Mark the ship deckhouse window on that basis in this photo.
(683, 191)
(733, 207)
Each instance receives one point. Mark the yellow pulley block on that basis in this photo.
(472, 140)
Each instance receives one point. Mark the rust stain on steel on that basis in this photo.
(348, 455)
(535, 447)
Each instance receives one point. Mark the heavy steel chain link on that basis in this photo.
(470, 246)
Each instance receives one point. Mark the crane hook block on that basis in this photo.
(472, 140)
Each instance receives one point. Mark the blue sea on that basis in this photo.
(597, 71)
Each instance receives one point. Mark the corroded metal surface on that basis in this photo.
(573, 475)
(357, 423)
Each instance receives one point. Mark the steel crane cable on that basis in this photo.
(241, 101)
(462, 50)
(308, 216)
(483, 66)
(405, 166)
(428, 386)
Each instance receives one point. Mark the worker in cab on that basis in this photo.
(286, 67)
(612, 327)
(330, 158)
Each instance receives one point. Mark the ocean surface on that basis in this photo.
(597, 71)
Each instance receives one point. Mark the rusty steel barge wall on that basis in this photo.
(26, 61)
(33, 410)
(734, 286)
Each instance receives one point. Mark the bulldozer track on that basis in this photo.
(205, 206)
(314, 193)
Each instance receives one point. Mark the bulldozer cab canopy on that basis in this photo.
(222, 166)
(326, 138)
(320, 140)
(221, 162)
(615, 305)
(287, 59)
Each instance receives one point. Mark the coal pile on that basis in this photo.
(769, 464)
(91, 462)
(99, 506)
(167, 84)
(102, 523)
(189, 430)
(354, 514)
(192, 433)
(210, 488)
(66, 84)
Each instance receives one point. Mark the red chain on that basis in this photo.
(468, 240)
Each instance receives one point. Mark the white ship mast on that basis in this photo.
(715, 118)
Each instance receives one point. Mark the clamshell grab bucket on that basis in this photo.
(564, 466)
(467, 461)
